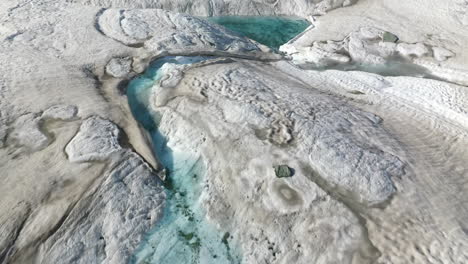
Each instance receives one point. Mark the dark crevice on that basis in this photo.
(122, 86)
(124, 141)
(99, 29)
(89, 71)
(96, 21)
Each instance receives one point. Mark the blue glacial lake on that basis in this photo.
(270, 31)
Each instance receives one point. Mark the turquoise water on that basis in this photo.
(270, 31)
(183, 235)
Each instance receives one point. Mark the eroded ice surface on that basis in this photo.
(270, 31)
(183, 235)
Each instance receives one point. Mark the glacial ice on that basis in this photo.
(329, 145)
(379, 162)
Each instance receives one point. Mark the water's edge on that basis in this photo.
(183, 235)
(270, 31)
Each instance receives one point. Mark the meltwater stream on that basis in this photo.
(184, 235)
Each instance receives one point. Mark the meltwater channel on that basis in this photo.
(184, 235)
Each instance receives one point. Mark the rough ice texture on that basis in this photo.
(333, 137)
(119, 67)
(62, 112)
(429, 118)
(3, 133)
(441, 54)
(228, 7)
(162, 32)
(459, 8)
(110, 220)
(357, 35)
(5, 110)
(27, 132)
(224, 114)
(96, 140)
(367, 46)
